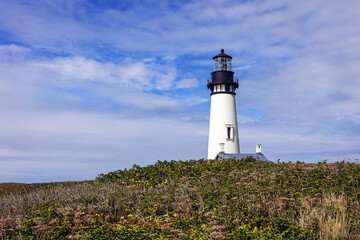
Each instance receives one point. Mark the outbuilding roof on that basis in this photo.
(240, 156)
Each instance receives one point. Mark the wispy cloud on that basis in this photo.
(96, 141)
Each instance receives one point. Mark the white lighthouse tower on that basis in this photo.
(223, 130)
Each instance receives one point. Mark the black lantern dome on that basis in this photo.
(222, 54)
(222, 76)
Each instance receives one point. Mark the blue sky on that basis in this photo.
(88, 87)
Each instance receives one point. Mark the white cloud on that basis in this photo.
(147, 101)
(137, 75)
(98, 142)
(187, 83)
(193, 27)
(164, 77)
(241, 119)
(12, 49)
(134, 74)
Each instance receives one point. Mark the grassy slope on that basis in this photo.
(6, 188)
(202, 199)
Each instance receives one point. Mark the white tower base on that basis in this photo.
(223, 132)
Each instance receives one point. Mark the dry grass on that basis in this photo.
(193, 200)
(329, 215)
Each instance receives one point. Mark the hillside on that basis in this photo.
(204, 199)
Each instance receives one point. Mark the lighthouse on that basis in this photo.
(223, 129)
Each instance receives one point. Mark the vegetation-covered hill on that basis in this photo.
(204, 199)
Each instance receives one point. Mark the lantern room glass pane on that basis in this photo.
(222, 64)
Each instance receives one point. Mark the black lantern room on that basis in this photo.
(222, 77)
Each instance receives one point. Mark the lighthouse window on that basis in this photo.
(216, 66)
(223, 64)
(229, 132)
(227, 88)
